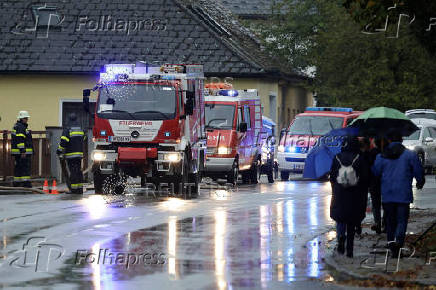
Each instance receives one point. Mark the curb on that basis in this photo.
(341, 269)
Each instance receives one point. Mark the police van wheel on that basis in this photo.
(284, 175)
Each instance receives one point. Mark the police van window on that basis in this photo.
(247, 118)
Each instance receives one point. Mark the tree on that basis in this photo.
(419, 14)
(352, 68)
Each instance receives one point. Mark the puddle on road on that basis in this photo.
(245, 248)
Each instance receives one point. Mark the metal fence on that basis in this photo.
(40, 158)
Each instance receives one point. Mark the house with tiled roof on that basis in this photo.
(49, 52)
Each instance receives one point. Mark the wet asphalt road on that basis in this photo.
(253, 237)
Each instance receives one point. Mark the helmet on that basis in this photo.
(23, 114)
(72, 117)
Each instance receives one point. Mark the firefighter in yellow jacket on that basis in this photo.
(22, 150)
(71, 147)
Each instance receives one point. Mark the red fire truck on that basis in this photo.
(233, 124)
(149, 123)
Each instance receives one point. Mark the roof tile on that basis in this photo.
(82, 43)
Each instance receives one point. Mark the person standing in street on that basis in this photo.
(349, 176)
(396, 166)
(22, 150)
(375, 188)
(71, 148)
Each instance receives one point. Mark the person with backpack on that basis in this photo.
(349, 177)
(396, 166)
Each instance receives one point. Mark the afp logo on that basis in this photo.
(37, 254)
(45, 18)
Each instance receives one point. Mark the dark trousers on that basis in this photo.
(22, 171)
(397, 217)
(76, 175)
(347, 231)
(376, 207)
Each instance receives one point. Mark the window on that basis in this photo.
(432, 132)
(239, 117)
(414, 136)
(220, 116)
(425, 134)
(315, 125)
(247, 118)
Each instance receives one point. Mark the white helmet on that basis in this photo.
(23, 114)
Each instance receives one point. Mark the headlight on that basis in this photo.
(99, 156)
(172, 157)
(410, 147)
(281, 148)
(224, 150)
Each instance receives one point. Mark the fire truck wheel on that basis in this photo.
(284, 175)
(232, 176)
(114, 184)
(196, 179)
(98, 182)
(270, 177)
(179, 186)
(245, 177)
(254, 172)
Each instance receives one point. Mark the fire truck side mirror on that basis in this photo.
(189, 107)
(243, 127)
(86, 94)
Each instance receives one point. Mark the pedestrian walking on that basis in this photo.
(22, 150)
(71, 148)
(396, 166)
(349, 180)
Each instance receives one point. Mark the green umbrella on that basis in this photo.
(380, 120)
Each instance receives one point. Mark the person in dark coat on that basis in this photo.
(375, 188)
(396, 167)
(348, 204)
(71, 147)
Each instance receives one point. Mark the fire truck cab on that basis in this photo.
(149, 123)
(233, 124)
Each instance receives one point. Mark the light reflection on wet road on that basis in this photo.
(253, 237)
(241, 248)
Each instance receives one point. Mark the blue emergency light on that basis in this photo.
(329, 109)
(229, 93)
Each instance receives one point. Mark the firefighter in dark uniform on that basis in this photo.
(71, 147)
(22, 150)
